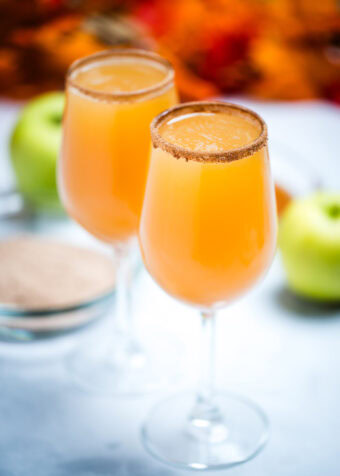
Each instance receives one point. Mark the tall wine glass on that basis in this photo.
(207, 233)
(111, 98)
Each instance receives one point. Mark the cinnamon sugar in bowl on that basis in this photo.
(49, 287)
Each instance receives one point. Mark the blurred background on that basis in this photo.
(272, 49)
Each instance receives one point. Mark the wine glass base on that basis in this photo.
(240, 435)
(127, 368)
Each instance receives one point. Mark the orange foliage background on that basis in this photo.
(281, 49)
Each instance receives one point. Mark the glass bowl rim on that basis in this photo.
(8, 311)
(228, 155)
(123, 96)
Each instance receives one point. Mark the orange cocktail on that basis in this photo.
(208, 226)
(111, 99)
(207, 233)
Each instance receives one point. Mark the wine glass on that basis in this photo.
(111, 98)
(207, 234)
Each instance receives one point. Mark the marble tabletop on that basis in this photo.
(280, 351)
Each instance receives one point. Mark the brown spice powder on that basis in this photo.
(208, 106)
(38, 273)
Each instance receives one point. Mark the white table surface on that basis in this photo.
(283, 353)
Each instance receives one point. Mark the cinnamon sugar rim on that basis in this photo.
(115, 53)
(200, 156)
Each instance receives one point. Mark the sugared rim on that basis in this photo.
(208, 106)
(125, 96)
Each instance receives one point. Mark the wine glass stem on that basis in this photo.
(206, 423)
(124, 277)
(207, 351)
(129, 354)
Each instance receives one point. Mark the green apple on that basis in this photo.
(34, 148)
(309, 240)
